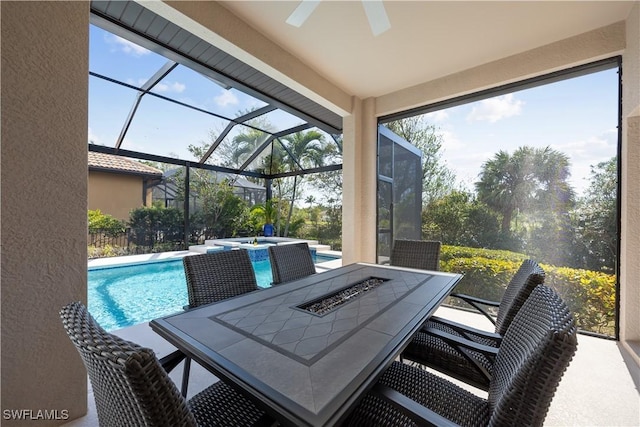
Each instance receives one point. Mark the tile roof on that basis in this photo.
(109, 162)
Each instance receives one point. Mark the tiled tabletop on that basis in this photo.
(310, 369)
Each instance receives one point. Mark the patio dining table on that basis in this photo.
(307, 351)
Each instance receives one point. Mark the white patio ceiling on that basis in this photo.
(427, 39)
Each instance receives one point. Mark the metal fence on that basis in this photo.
(134, 241)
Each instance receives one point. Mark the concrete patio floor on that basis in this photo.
(600, 387)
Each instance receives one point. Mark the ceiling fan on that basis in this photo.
(377, 16)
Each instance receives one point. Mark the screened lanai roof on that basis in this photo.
(160, 93)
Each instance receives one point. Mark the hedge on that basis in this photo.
(589, 294)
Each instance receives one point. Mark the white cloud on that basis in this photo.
(175, 87)
(450, 141)
(225, 98)
(166, 87)
(126, 46)
(94, 138)
(586, 153)
(495, 109)
(593, 149)
(437, 116)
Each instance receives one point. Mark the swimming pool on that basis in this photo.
(121, 296)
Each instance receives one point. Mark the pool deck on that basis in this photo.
(600, 387)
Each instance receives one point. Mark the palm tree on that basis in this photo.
(244, 144)
(530, 177)
(310, 199)
(303, 149)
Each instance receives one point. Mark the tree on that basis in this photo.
(437, 179)
(224, 212)
(458, 219)
(529, 179)
(303, 149)
(507, 183)
(329, 184)
(444, 219)
(597, 214)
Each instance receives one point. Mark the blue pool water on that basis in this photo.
(124, 296)
(128, 295)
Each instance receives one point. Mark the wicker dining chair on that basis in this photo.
(132, 388)
(290, 262)
(436, 344)
(534, 354)
(214, 277)
(422, 254)
(217, 276)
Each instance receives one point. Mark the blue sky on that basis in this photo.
(577, 117)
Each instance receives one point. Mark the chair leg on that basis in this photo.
(185, 376)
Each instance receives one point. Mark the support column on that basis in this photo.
(359, 183)
(630, 209)
(630, 244)
(45, 64)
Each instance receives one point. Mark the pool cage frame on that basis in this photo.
(116, 18)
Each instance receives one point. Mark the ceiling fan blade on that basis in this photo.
(378, 19)
(302, 12)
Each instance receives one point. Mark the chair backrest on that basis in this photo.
(129, 385)
(531, 360)
(422, 254)
(528, 276)
(217, 276)
(290, 262)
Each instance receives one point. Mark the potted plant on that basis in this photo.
(268, 212)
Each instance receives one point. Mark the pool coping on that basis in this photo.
(121, 261)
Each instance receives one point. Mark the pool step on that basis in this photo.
(205, 249)
(217, 245)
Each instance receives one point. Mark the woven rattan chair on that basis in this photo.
(132, 388)
(214, 277)
(422, 254)
(290, 262)
(436, 344)
(534, 354)
(217, 276)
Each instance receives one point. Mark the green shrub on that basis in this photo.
(154, 225)
(106, 251)
(453, 252)
(483, 277)
(104, 223)
(590, 295)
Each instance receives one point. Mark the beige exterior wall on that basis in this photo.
(630, 215)
(359, 182)
(116, 194)
(44, 203)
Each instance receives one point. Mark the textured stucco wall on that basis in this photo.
(630, 215)
(115, 194)
(44, 199)
(359, 182)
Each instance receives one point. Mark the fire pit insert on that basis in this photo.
(330, 302)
